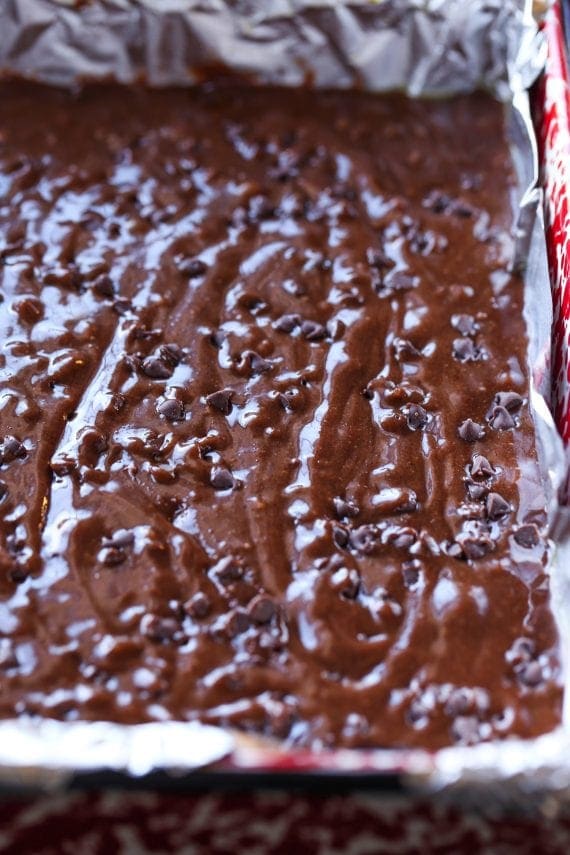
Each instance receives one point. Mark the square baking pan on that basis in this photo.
(427, 49)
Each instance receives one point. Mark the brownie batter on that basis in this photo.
(267, 459)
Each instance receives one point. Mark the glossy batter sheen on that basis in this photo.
(267, 456)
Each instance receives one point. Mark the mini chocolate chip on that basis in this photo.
(103, 286)
(171, 409)
(480, 467)
(156, 368)
(198, 606)
(159, 628)
(475, 546)
(11, 449)
(172, 353)
(465, 729)
(336, 329)
(530, 674)
(340, 536)
(313, 331)
(256, 363)
(364, 539)
(527, 536)
(470, 431)
(477, 491)
(346, 582)
(228, 569)
(111, 556)
(401, 538)
(287, 323)
(464, 350)
(377, 258)
(192, 267)
(411, 572)
(496, 506)
(462, 209)
(218, 338)
(465, 324)
(404, 350)
(345, 508)
(417, 417)
(221, 478)
(399, 281)
(501, 419)
(237, 622)
(221, 401)
(459, 702)
(122, 306)
(511, 401)
(261, 609)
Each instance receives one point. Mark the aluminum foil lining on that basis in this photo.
(425, 47)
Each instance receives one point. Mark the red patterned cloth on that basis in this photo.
(260, 823)
(553, 126)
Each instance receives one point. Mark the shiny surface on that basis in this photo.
(260, 466)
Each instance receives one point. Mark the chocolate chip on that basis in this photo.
(111, 556)
(470, 431)
(527, 536)
(340, 536)
(103, 286)
(287, 323)
(463, 210)
(172, 353)
(198, 606)
(12, 449)
(399, 281)
(475, 546)
(313, 331)
(364, 539)
(438, 202)
(218, 338)
(464, 350)
(192, 267)
(346, 582)
(237, 622)
(221, 401)
(122, 306)
(377, 258)
(158, 628)
(405, 351)
(261, 609)
(228, 569)
(171, 409)
(417, 417)
(480, 467)
(221, 478)
(501, 419)
(401, 537)
(345, 508)
(465, 729)
(156, 367)
(530, 674)
(465, 324)
(496, 506)
(254, 362)
(411, 572)
(511, 401)
(477, 491)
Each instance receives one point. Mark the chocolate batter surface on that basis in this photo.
(266, 451)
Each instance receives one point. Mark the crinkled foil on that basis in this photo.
(422, 46)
